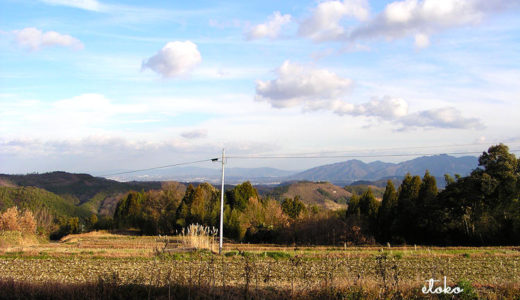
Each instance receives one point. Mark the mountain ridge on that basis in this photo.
(355, 170)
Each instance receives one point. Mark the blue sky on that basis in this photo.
(91, 86)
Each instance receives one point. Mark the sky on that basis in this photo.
(99, 85)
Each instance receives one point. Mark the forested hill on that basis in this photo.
(81, 187)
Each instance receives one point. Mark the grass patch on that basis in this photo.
(277, 255)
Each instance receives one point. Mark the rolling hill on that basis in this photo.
(83, 192)
(322, 194)
(39, 201)
(78, 187)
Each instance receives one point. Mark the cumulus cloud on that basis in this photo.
(174, 59)
(319, 89)
(195, 134)
(447, 117)
(299, 85)
(92, 5)
(422, 18)
(35, 39)
(325, 21)
(270, 29)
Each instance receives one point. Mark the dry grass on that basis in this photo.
(199, 237)
(293, 272)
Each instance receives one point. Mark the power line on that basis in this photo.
(162, 167)
(298, 156)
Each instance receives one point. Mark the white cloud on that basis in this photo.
(422, 40)
(35, 39)
(298, 85)
(174, 59)
(319, 89)
(324, 23)
(195, 134)
(422, 18)
(447, 117)
(387, 108)
(92, 5)
(271, 28)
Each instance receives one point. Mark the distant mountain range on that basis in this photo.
(341, 173)
(354, 170)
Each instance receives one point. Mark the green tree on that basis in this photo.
(353, 208)
(426, 204)
(483, 208)
(238, 197)
(406, 217)
(387, 211)
(293, 207)
(92, 221)
(128, 211)
(368, 204)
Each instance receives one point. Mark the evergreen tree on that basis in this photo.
(426, 205)
(369, 208)
(240, 194)
(353, 206)
(387, 212)
(405, 224)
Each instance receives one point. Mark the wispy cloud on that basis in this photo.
(35, 39)
(195, 134)
(92, 5)
(446, 117)
(123, 13)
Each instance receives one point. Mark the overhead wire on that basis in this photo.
(162, 167)
(304, 156)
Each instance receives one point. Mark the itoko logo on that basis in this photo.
(440, 290)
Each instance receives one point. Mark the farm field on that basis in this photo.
(162, 267)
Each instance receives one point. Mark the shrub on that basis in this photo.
(27, 222)
(9, 220)
(12, 220)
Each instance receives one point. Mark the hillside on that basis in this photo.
(323, 194)
(40, 202)
(88, 193)
(78, 187)
(344, 173)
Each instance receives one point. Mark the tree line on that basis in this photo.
(479, 209)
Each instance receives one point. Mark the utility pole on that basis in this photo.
(221, 231)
